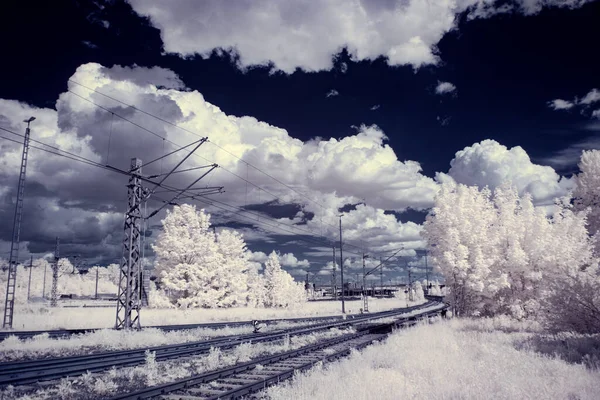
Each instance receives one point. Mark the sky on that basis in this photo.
(312, 109)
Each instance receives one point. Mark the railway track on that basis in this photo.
(63, 333)
(243, 380)
(27, 372)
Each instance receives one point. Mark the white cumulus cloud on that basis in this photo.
(560, 104)
(489, 163)
(331, 173)
(445, 88)
(306, 34)
(583, 104)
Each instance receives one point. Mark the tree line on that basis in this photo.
(500, 254)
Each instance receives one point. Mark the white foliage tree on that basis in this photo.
(281, 289)
(587, 192)
(196, 267)
(418, 291)
(461, 225)
(502, 255)
(256, 296)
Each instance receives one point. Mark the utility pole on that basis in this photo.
(130, 280)
(342, 267)
(54, 293)
(334, 276)
(365, 298)
(11, 282)
(44, 284)
(410, 293)
(29, 284)
(96, 296)
(426, 274)
(381, 276)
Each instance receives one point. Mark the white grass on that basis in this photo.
(447, 360)
(42, 346)
(106, 385)
(36, 317)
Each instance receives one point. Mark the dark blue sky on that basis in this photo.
(506, 69)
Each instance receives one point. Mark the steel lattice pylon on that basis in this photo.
(54, 292)
(9, 304)
(130, 281)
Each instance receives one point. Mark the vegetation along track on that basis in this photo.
(64, 333)
(27, 372)
(244, 380)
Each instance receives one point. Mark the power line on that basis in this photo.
(193, 196)
(194, 133)
(173, 143)
(169, 188)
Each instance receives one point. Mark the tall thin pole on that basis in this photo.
(410, 292)
(11, 282)
(334, 276)
(54, 292)
(342, 267)
(364, 272)
(97, 269)
(29, 284)
(381, 275)
(426, 274)
(44, 284)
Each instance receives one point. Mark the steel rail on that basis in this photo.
(237, 381)
(61, 333)
(25, 372)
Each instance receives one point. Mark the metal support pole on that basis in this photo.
(426, 274)
(96, 296)
(334, 276)
(410, 292)
(11, 282)
(342, 267)
(364, 286)
(381, 276)
(54, 293)
(44, 284)
(130, 281)
(29, 283)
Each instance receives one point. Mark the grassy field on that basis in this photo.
(457, 359)
(39, 317)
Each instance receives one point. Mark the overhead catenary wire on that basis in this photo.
(177, 145)
(113, 114)
(215, 144)
(196, 134)
(168, 188)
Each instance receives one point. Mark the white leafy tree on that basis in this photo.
(461, 225)
(418, 291)
(232, 248)
(196, 267)
(256, 288)
(533, 262)
(281, 289)
(587, 192)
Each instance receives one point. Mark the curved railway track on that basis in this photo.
(27, 372)
(63, 333)
(245, 379)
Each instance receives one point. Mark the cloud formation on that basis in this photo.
(307, 34)
(445, 88)
(84, 205)
(489, 163)
(332, 93)
(559, 104)
(583, 104)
